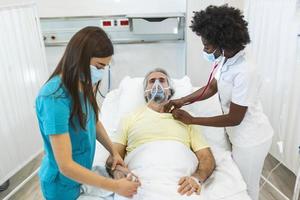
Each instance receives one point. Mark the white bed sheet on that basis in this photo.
(110, 115)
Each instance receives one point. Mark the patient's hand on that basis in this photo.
(123, 172)
(188, 186)
(118, 174)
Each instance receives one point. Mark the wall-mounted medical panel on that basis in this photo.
(120, 28)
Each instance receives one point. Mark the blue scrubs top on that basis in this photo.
(53, 109)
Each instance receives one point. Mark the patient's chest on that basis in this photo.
(152, 126)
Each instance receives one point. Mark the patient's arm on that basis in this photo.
(189, 185)
(206, 164)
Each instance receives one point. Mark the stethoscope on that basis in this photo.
(215, 66)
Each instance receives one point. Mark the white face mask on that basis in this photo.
(210, 57)
(157, 93)
(96, 74)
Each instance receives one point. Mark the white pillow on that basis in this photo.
(131, 95)
(132, 92)
(109, 114)
(182, 87)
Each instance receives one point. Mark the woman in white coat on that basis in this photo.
(224, 34)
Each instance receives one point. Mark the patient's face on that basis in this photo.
(163, 79)
(157, 76)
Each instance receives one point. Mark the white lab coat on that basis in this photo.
(238, 83)
(251, 140)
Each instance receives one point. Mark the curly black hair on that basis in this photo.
(222, 26)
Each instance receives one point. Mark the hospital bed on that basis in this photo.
(226, 182)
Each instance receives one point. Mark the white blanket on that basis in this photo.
(161, 164)
(226, 182)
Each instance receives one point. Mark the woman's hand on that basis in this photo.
(182, 116)
(126, 187)
(188, 186)
(117, 160)
(173, 104)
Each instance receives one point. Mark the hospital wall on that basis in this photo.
(13, 2)
(129, 59)
(61, 8)
(135, 60)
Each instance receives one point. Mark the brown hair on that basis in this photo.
(75, 65)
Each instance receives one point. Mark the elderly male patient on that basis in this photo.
(170, 159)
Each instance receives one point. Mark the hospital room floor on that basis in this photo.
(282, 178)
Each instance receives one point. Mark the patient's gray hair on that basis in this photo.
(145, 82)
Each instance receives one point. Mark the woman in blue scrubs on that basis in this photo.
(67, 113)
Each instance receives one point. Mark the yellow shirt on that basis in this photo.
(147, 125)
